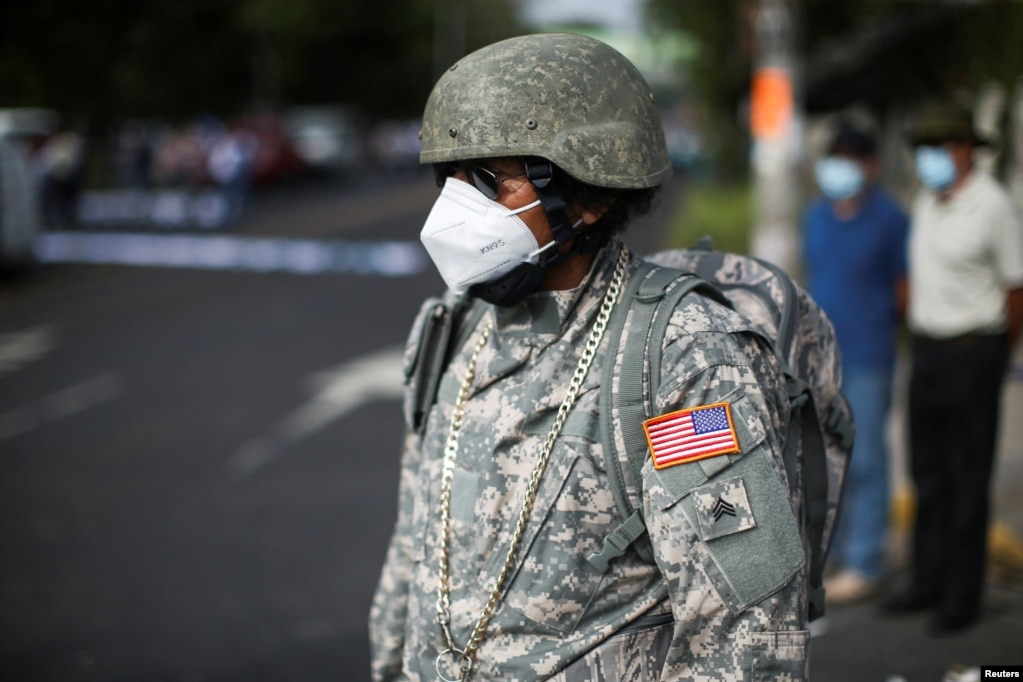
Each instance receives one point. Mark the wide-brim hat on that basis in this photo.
(944, 121)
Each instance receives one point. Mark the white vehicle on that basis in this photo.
(20, 210)
(327, 137)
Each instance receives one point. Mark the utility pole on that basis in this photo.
(1014, 177)
(775, 122)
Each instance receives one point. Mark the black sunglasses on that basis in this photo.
(483, 179)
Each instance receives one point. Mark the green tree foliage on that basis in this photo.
(719, 72)
(882, 54)
(889, 55)
(105, 57)
(102, 60)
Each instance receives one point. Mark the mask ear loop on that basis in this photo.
(522, 209)
(534, 256)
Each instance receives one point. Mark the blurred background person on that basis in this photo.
(62, 167)
(230, 168)
(855, 256)
(133, 154)
(965, 312)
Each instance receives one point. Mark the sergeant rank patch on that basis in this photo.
(723, 508)
(691, 434)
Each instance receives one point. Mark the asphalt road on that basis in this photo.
(198, 464)
(190, 488)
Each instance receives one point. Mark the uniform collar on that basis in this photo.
(548, 314)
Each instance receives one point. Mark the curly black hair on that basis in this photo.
(620, 206)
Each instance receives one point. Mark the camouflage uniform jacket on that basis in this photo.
(726, 599)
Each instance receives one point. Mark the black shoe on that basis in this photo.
(944, 624)
(907, 602)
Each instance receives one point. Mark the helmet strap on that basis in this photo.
(540, 176)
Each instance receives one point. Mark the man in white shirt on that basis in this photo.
(965, 313)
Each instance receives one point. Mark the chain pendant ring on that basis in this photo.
(459, 657)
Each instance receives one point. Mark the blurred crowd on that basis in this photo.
(263, 148)
(200, 172)
(205, 154)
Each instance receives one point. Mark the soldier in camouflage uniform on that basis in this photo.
(504, 492)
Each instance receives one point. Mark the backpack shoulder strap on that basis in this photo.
(634, 326)
(445, 330)
(805, 444)
(805, 452)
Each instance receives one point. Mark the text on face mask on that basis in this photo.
(491, 246)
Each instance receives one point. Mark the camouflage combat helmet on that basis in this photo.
(570, 99)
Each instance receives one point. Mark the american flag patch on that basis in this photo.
(691, 434)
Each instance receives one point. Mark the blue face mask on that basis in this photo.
(935, 167)
(839, 178)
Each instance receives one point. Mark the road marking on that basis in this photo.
(206, 209)
(22, 347)
(220, 252)
(338, 391)
(64, 403)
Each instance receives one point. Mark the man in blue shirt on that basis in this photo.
(855, 254)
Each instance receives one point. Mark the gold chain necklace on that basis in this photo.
(466, 657)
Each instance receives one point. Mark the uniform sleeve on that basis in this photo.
(388, 612)
(390, 602)
(724, 528)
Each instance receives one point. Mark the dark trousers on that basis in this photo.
(954, 401)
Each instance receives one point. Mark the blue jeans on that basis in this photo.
(863, 521)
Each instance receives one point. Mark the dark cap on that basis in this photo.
(853, 139)
(944, 121)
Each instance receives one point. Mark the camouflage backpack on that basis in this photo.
(820, 437)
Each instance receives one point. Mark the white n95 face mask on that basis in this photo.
(473, 239)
